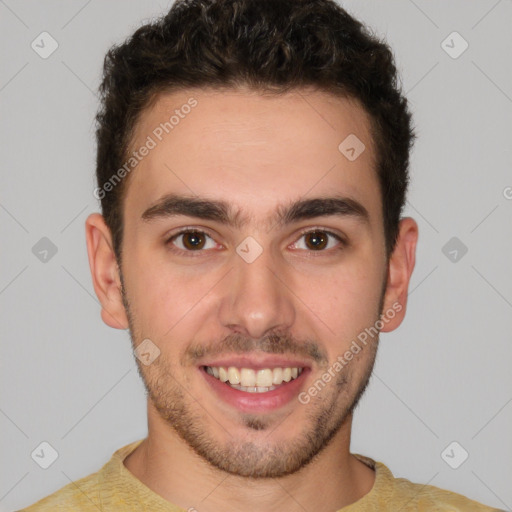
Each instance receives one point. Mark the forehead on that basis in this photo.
(253, 150)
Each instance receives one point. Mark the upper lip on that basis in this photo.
(257, 362)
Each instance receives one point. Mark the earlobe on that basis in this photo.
(105, 272)
(400, 267)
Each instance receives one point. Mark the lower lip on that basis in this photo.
(256, 402)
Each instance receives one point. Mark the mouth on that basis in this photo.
(255, 386)
(250, 380)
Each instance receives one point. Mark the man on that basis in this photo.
(252, 168)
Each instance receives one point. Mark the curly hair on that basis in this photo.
(267, 45)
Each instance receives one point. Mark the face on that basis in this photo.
(253, 258)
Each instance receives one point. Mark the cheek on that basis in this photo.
(161, 295)
(345, 299)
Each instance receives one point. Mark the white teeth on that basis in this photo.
(233, 375)
(254, 381)
(264, 377)
(277, 376)
(253, 389)
(223, 374)
(247, 377)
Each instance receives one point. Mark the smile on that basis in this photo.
(254, 381)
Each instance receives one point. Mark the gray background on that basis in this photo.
(444, 376)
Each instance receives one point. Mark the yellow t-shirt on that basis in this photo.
(114, 488)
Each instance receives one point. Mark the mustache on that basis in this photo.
(274, 343)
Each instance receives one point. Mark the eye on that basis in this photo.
(192, 240)
(317, 240)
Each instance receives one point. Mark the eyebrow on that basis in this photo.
(172, 205)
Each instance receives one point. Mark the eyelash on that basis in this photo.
(341, 242)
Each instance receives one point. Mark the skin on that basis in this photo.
(255, 152)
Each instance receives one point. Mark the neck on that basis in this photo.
(169, 467)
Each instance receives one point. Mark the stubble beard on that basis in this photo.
(255, 459)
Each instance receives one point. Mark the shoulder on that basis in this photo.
(98, 491)
(428, 497)
(391, 493)
(78, 495)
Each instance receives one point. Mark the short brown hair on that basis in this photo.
(267, 45)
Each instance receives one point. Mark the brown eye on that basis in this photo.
(316, 240)
(192, 241)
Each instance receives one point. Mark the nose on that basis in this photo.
(257, 298)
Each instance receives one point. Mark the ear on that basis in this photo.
(400, 267)
(105, 272)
